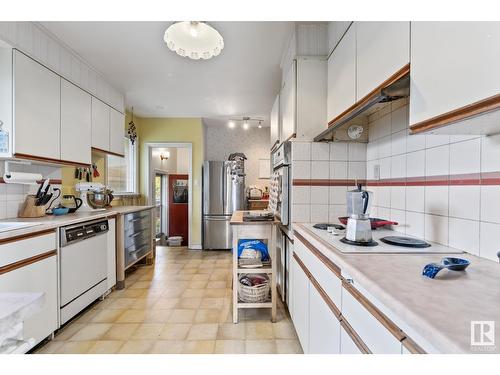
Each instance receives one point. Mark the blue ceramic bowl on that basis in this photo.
(456, 264)
(60, 211)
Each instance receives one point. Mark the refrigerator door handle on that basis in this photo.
(221, 218)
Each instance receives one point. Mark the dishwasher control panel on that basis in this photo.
(82, 231)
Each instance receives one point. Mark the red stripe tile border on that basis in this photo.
(326, 182)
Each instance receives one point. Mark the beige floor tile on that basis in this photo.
(260, 347)
(148, 331)
(201, 277)
(206, 331)
(172, 292)
(166, 303)
(141, 285)
(121, 303)
(145, 303)
(86, 316)
(207, 316)
(92, 331)
(68, 330)
(127, 293)
(230, 347)
(132, 316)
(176, 332)
(284, 330)
(193, 293)
(199, 347)
(216, 285)
(197, 284)
(259, 331)
(50, 347)
(288, 347)
(211, 303)
(214, 293)
(157, 315)
(107, 316)
(218, 277)
(120, 331)
(167, 347)
(75, 347)
(136, 347)
(230, 331)
(189, 303)
(106, 347)
(182, 316)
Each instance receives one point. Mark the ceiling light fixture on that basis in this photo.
(231, 124)
(193, 39)
(245, 125)
(164, 155)
(260, 125)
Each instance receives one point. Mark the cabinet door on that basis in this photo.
(37, 277)
(275, 122)
(37, 109)
(111, 254)
(342, 75)
(100, 124)
(76, 123)
(347, 345)
(453, 64)
(382, 48)
(324, 327)
(116, 131)
(287, 104)
(300, 291)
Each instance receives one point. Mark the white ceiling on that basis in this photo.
(242, 81)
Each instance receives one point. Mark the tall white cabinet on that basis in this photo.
(288, 103)
(37, 109)
(116, 132)
(100, 124)
(275, 131)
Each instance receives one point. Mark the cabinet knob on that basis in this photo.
(349, 280)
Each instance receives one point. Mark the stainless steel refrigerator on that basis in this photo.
(223, 193)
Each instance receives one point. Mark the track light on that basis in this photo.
(231, 124)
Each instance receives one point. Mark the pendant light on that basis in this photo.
(194, 39)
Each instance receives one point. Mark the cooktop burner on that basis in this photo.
(324, 226)
(358, 243)
(404, 241)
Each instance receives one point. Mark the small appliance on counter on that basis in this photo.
(94, 195)
(359, 229)
(254, 193)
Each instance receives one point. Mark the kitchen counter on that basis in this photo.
(237, 219)
(436, 313)
(51, 221)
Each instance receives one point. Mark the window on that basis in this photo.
(121, 172)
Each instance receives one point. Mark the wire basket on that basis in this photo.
(254, 294)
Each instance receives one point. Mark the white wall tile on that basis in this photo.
(398, 197)
(415, 142)
(319, 213)
(436, 229)
(465, 202)
(301, 169)
(320, 170)
(398, 143)
(415, 224)
(301, 213)
(398, 166)
(3, 192)
(434, 140)
(464, 235)
(384, 147)
(338, 170)
(338, 194)
(437, 161)
(436, 200)
(385, 168)
(465, 157)
(320, 151)
(3, 210)
(384, 213)
(490, 203)
(301, 151)
(490, 153)
(335, 211)
(384, 124)
(338, 151)
(489, 245)
(372, 150)
(320, 195)
(384, 196)
(356, 170)
(415, 198)
(301, 194)
(357, 151)
(399, 119)
(399, 216)
(415, 164)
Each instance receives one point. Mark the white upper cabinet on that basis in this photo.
(382, 48)
(287, 104)
(342, 75)
(453, 64)
(336, 30)
(37, 109)
(100, 124)
(275, 122)
(116, 132)
(75, 124)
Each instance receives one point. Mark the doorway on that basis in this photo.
(178, 199)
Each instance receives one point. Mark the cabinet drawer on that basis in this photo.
(315, 263)
(347, 344)
(377, 338)
(15, 250)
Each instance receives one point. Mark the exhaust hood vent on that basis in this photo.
(395, 88)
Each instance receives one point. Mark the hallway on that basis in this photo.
(181, 304)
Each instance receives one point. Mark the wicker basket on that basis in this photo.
(254, 294)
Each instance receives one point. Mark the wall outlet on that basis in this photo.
(376, 171)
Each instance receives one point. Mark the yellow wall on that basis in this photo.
(182, 130)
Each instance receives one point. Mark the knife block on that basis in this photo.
(29, 209)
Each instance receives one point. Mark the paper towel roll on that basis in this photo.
(21, 178)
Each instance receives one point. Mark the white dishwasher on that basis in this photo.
(83, 266)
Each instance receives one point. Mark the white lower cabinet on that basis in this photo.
(324, 327)
(111, 254)
(300, 301)
(347, 345)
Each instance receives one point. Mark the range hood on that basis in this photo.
(395, 88)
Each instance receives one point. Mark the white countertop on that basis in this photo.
(438, 311)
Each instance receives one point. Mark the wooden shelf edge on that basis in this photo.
(101, 151)
(254, 305)
(254, 270)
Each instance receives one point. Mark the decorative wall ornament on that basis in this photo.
(132, 131)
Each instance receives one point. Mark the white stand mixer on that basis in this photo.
(84, 188)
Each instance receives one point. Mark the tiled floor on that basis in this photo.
(182, 304)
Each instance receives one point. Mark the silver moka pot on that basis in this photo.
(358, 209)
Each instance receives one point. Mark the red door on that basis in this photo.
(178, 196)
